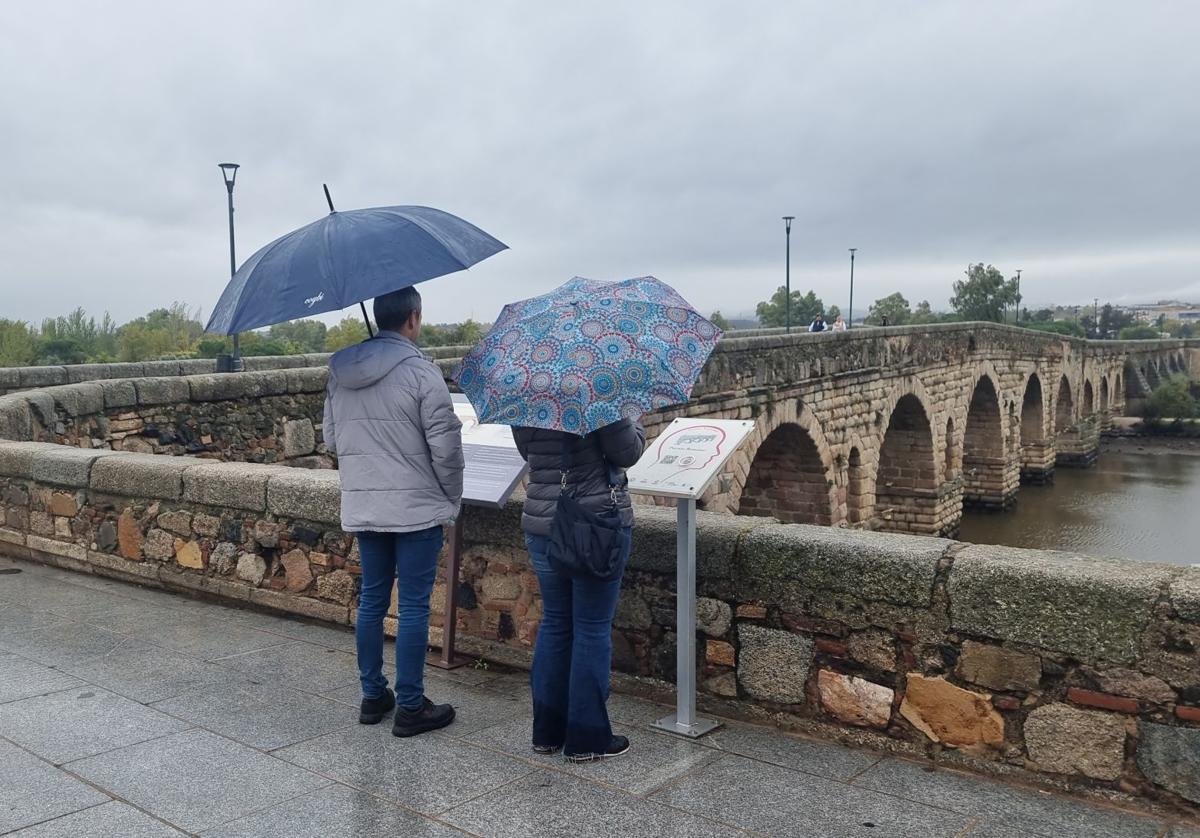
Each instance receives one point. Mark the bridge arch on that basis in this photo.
(1089, 399)
(1037, 452)
(791, 468)
(907, 490)
(1064, 407)
(984, 452)
(1104, 395)
(952, 456)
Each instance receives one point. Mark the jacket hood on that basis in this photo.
(364, 364)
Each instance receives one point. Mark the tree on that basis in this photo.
(719, 321)
(1113, 320)
(350, 331)
(773, 312)
(1172, 399)
(923, 314)
(833, 314)
(303, 335)
(1057, 327)
(894, 308)
(1142, 332)
(1179, 329)
(984, 294)
(18, 343)
(1042, 315)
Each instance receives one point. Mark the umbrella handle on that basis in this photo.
(363, 306)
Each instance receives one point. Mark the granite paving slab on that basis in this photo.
(149, 673)
(264, 716)
(212, 638)
(653, 759)
(335, 810)
(429, 773)
(109, 820)
(196, 779)
(81, 722)
(552, 805)
(790, 804)
(297, 665)
(1000, 805)
(824, 759)
(32, 791)
(14, 617)
(22, 678)
(64, 643)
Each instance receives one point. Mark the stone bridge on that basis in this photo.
(897, 429)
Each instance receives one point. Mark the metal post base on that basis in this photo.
(695, 730)
(455, 661)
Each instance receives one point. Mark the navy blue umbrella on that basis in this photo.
(344, 259)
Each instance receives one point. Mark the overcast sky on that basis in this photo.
(608, 140)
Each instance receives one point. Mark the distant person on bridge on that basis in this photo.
(839, 325)
(818, 324)
(390, 420)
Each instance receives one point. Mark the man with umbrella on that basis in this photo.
(388, 415)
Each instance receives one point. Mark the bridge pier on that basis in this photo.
(991, 482)
(1079, 445)
(1037, 463)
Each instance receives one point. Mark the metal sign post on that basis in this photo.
(494, 468)
(683, 721)
(448, 658)
(681, 463)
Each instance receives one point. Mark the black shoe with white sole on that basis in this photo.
(616, 747)
(547, 750)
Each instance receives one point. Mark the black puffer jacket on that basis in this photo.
(620, 444)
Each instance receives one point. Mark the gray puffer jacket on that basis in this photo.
(620, 444)
(390, 420)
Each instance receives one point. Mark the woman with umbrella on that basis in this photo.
(573, 371)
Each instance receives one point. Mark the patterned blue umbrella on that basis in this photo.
(588, 354)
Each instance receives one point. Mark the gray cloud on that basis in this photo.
(607, 140)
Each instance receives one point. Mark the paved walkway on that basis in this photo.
(131, 712)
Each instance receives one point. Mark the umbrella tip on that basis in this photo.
(328, 200)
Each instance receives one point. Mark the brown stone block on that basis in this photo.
(64, 504)
(129, 536)
(751, 612)
(721, 653)
(950, 714)
(855, 701)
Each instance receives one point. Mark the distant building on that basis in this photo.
(1166, 310)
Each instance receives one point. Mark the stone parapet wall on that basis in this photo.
(266, 416)
(1083, 671)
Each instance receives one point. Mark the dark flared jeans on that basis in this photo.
(572, 661)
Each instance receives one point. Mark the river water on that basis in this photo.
(1131, 505)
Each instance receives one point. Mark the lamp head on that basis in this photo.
(787, 222)
(229, 172)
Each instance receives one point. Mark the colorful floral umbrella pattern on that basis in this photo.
(588, 354)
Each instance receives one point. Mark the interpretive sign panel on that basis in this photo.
(686, 457)
(494, 467)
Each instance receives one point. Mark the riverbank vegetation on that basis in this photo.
(177, 332)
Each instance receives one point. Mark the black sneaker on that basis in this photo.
(616, 747)
(547, 750)
(372, 710)
(429, 717)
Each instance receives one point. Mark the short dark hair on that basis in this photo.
(392, 310)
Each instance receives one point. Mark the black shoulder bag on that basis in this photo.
(582, 542)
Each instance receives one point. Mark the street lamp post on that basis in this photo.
(1018, 296)
(787, 306)
(229, 172)
(1096, 315)
(850, 319)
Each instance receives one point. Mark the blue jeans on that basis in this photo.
(409, 559)
(572, 661)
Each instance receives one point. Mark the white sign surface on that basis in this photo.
(686, 457)
(494, 467)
